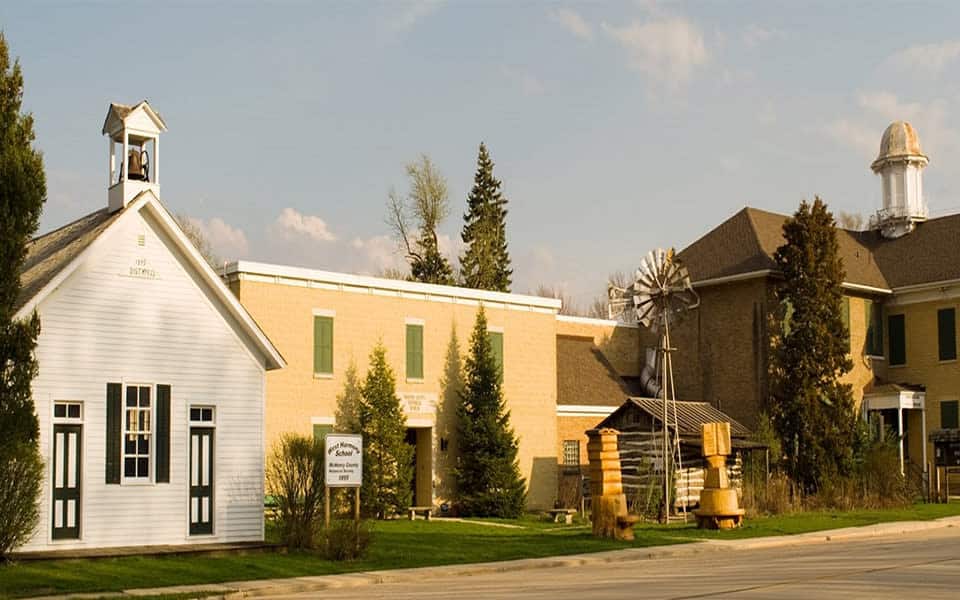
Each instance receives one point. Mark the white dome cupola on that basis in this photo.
(900, 164)
(135, 130)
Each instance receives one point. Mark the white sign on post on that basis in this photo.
(344, 460)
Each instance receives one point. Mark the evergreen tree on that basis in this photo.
(424, 208)
(387, 458)
(485, 263)
(22, 194)
(812, 412)
(487, 475)
(347, 416)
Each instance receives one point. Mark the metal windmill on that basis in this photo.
(661, 291)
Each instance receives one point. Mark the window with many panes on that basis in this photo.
(137, 432)
(571, 452)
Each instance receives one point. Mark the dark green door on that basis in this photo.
(201, 480)
(66, 481)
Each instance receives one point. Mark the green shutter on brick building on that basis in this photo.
(949, 414)
(323, 345)
(414, 351)
(496, 344)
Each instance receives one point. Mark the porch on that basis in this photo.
(900, 408)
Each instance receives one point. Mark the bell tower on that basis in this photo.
(899, 164)
(134, 131)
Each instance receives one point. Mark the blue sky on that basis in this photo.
(615, 127)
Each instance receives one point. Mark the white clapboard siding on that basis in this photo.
(102, 325)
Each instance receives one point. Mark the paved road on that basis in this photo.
(913, 566)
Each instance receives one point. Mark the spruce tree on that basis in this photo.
(347, 416)
(22, 194)
(485, 263)
(487, 475)
(812, 412)
(387, 458)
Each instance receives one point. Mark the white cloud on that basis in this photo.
(930, 59)
(376, 254)
(528, 84)
(667, 50)
(225, 240)
(293, 224)
(573, 22)
(877, 109)
(414, 12)
(754, 35)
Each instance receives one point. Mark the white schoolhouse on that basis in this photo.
(152, 375)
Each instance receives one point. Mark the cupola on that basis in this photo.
(899, 164)
(135, 132)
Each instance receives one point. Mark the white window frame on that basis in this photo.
(569, 464)
(422, 323)
(152, 456)
(67, 418)
(211, 423)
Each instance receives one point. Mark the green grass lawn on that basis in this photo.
(402, 544)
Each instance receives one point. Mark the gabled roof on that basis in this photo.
(746, 242)
(119, 112)
(584, 375)
(49, 254)
(691, 416)
(52, 257)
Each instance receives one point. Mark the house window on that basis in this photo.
(874, 320)
(949, 416)
(322, 345)
(67, 411)
(896, 331)
(947, 333)
(414, 351)
(571, 452)
(137, 432)
(201, 414)
(496, 344)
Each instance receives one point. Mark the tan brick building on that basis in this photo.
(901, 292)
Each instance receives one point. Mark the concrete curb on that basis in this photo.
(298, 585)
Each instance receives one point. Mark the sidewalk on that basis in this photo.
(297, 585)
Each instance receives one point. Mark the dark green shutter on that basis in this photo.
(323, 345)
(896, 329)
(163, 433)
(415, 351)
(496, 344)
(874, 323)
(114, 422)
(949, 415)
(845, 315)
(947, 333)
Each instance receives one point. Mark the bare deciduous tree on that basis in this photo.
(851, 221)
(197, 237)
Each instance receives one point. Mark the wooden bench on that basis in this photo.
(563, 514)
(426, 511)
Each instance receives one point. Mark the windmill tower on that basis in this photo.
(661, 291)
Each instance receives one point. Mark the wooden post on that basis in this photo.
(326, 507)
(356, 516)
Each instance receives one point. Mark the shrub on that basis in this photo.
(21, 476)
(345, 540)
(295, 480)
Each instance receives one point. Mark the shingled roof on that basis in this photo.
(50, 253)
(584, 375)
(747, 241)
